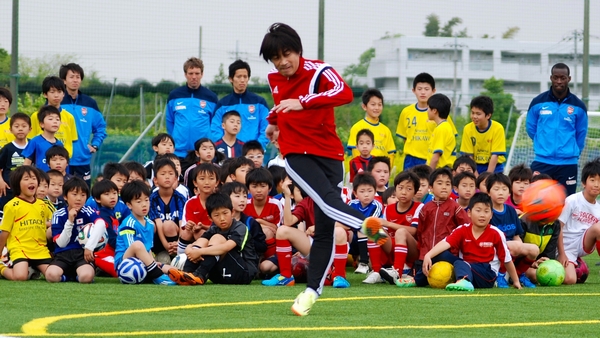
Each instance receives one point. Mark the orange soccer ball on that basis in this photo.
(543, 201)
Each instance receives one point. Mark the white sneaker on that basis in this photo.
(373, 278)
(390, 275)
(303, 303)
(362, 268)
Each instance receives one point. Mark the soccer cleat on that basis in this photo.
(501, 281)
(373, 278)
(406, 282)
(525, 282)
(340, 282)
(163, 280)
(303, 303)
(362, 268)
(279, 280)
(461, 285)
(184, 278)
(372, 227)
(390, 275)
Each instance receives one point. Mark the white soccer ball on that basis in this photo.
(179, 261)
(131, 271)
(84, 236)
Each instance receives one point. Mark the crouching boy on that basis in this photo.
(223, 254)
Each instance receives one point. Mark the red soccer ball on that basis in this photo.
(582, 271)
(543, 201)
(299, 268)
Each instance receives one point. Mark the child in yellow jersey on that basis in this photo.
(442, 145)
(372, 104)
(414, 126)
(53, 89)
(23, 228)
(6, 136)
(483, 139)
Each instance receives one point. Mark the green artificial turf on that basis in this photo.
(257, 311)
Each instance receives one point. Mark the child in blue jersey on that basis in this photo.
(363, 187)
(223, 254)
(118, 174)
(162, 143)
(422, 171)
(166, 208)
(71, 261)
(229, 145)
(35, 151)
(57, 158)
(136, 233)
(506, 219)
(106, 195)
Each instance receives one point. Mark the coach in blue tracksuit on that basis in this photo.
(190, 109)
(252, 108)
(557, 123)
(91, 127)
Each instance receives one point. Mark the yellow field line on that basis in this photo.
(39, 326)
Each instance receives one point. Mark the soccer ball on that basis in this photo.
(131, 271)
(179, 261)
(550, 273)
(543, 201)
(440, 275)
(299, 268)
(84, 236)
(582, 271)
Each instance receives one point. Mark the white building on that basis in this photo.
(524, 66)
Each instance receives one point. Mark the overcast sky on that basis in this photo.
(151, 39)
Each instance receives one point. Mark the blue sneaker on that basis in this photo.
(279, 280)
(501, 281)
(461, 285)
(525, 282)
(164, 280)
(340, 282)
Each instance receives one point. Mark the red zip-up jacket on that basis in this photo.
(312, 130)
(437, 219)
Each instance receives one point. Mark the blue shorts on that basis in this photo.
(411, 161)
(483, 168)
(565, 174)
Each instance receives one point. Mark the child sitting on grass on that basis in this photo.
(481, 248)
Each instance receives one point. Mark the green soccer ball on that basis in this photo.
(550, 273)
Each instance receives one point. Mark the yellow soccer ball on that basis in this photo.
(440, 275)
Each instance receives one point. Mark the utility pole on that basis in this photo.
(14, 58)
(585, 85)
(575, 61)
(455, 60)
(237, 55)
(321, 46)
(200, 44)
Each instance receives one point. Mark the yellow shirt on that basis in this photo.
(415, 128)
(483, 144)
(443, 141)
(26, 224)
(6, 136)
(67, 132)
(384, 141)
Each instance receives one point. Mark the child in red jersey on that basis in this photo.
(195, 217)
(266, 210)
(437, 218)
(364, 144)
(482, 247)
(402, 221)
(305, 93)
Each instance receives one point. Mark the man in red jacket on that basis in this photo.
(305, 93)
